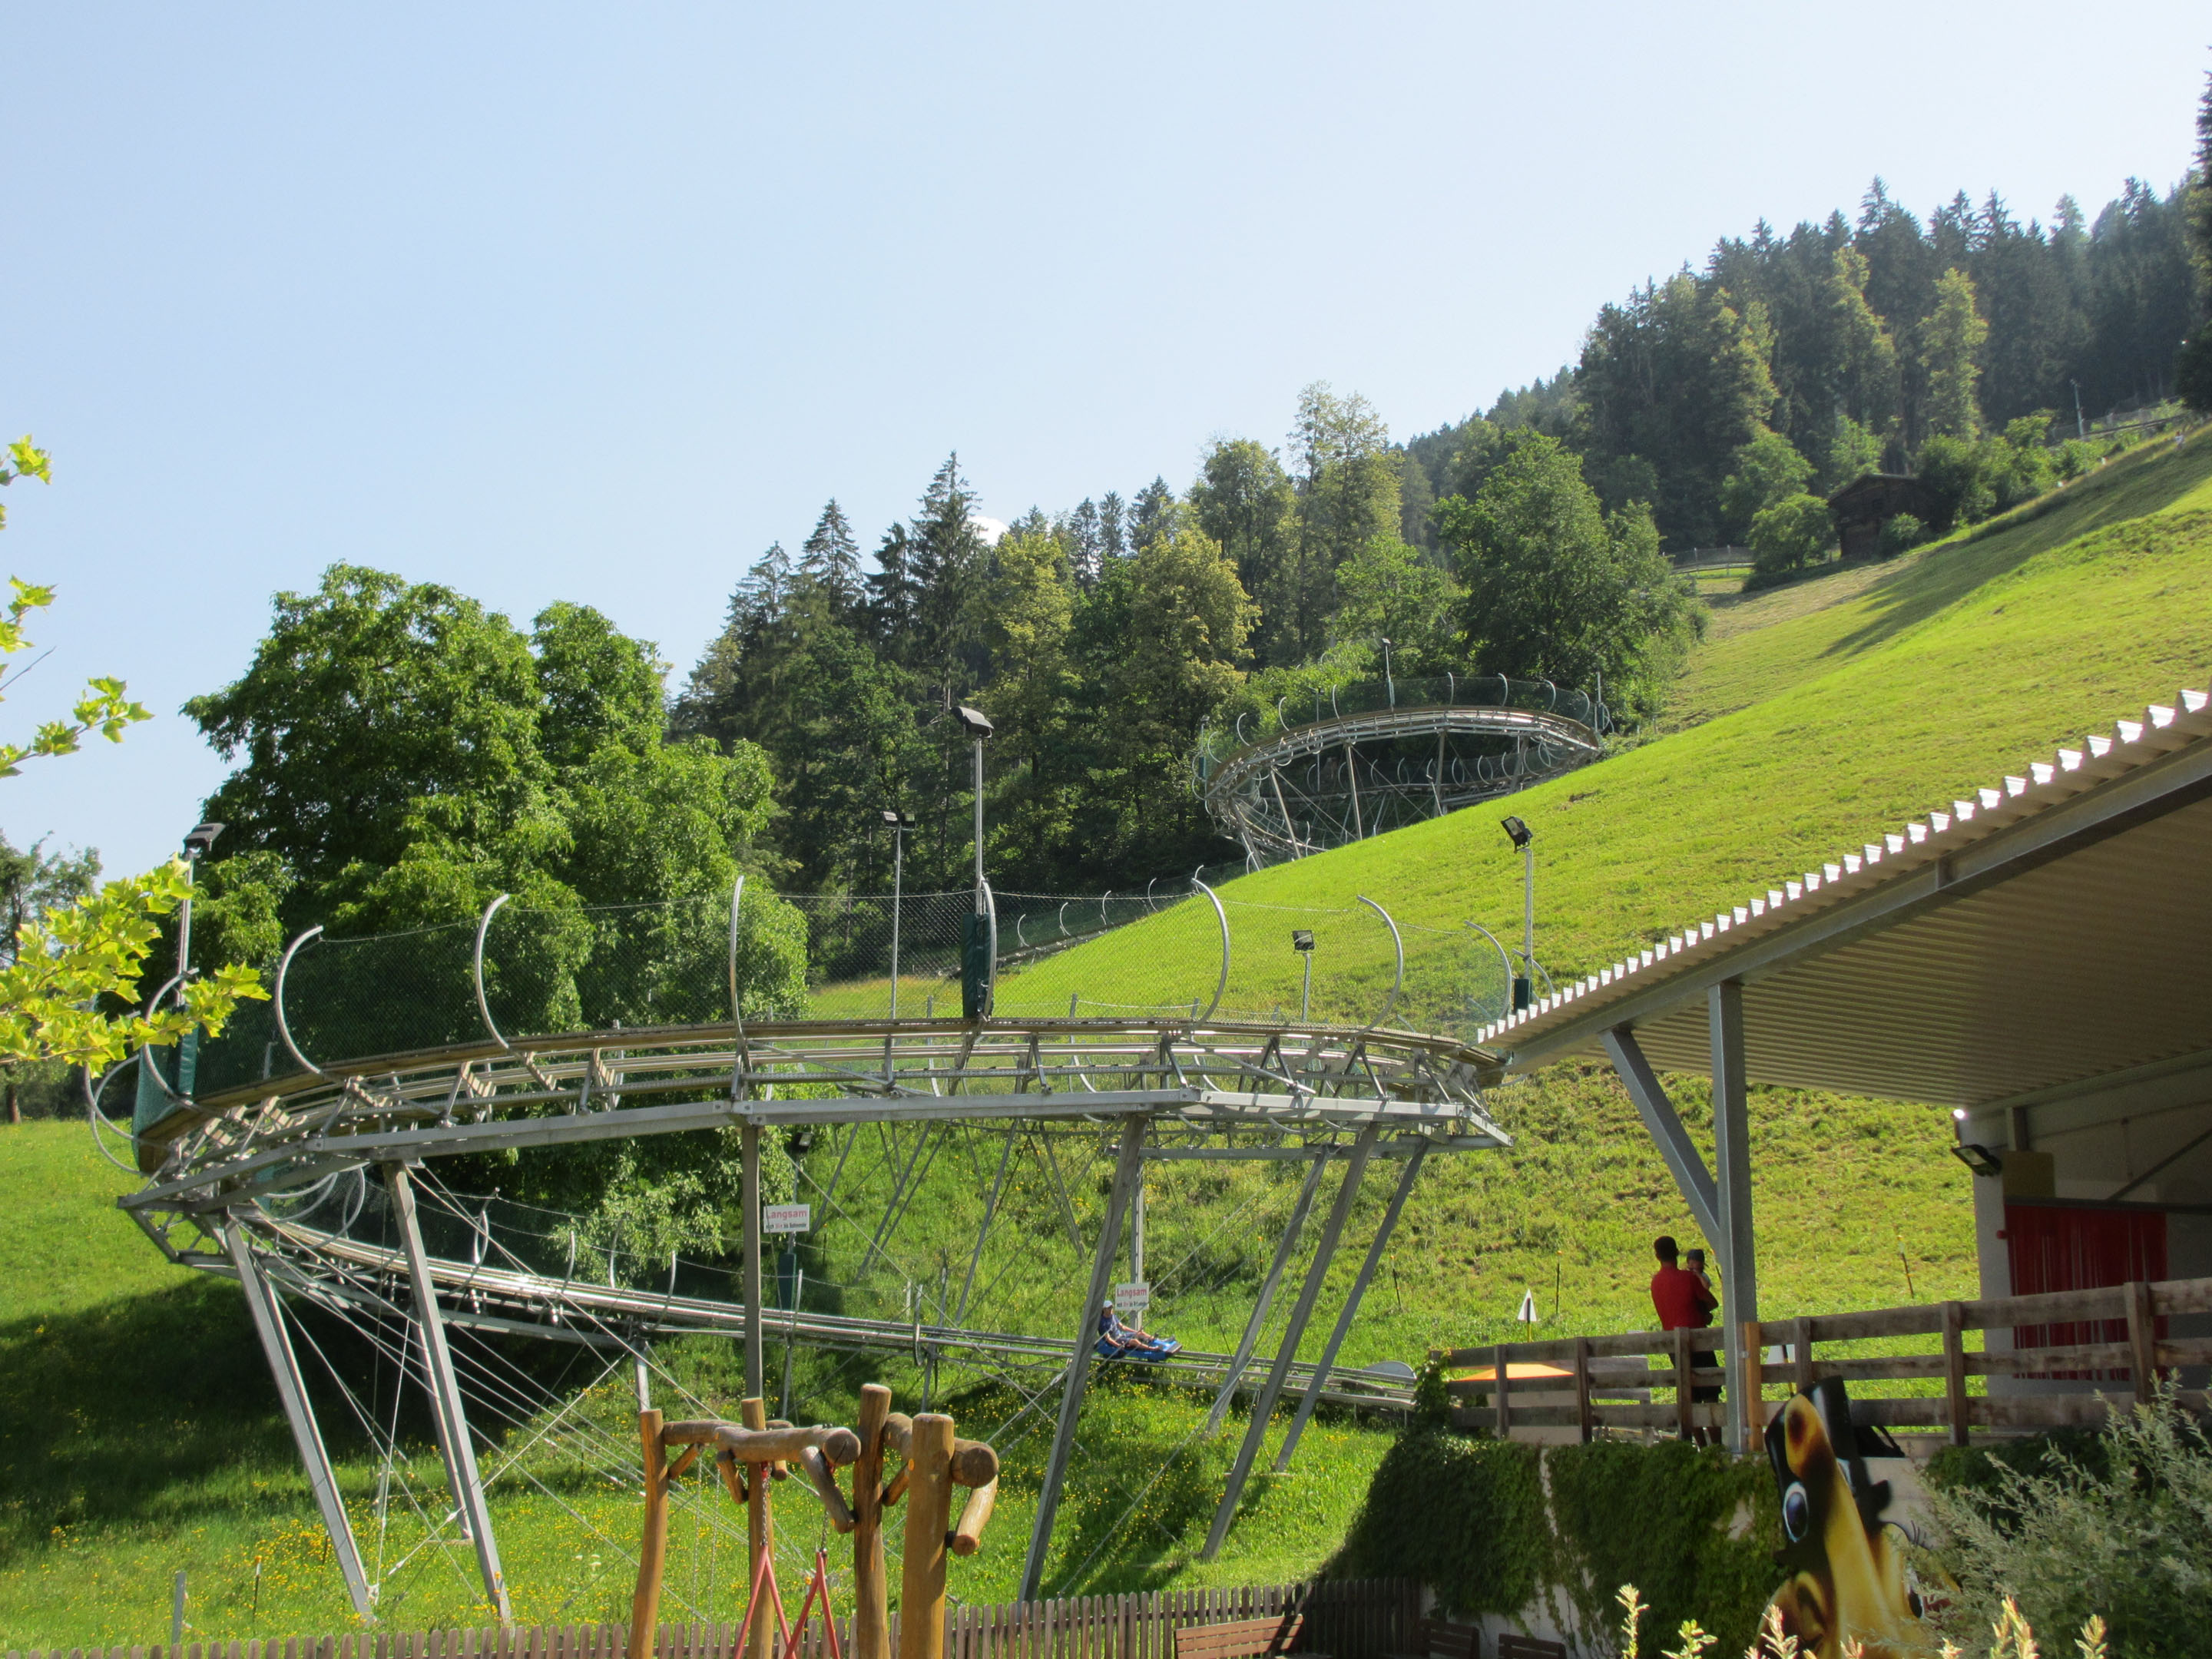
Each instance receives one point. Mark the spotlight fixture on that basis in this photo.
(1978, 1158)
(1302, 938)
(201, 840)
(1521, 833)
(974, 722)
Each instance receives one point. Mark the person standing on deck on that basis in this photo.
(1683, 1299)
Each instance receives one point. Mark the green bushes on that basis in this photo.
(1796, 531)
(1496, 1527)
(2119, 1524)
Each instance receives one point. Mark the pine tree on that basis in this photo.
(1113, 538)
(893, 595)
(1079, 531)
(1153, 515)
(832, 558)
(948, 561)
(1950, 346)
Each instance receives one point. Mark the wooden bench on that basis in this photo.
(1440, 1638)
(1242, 1638)
(1511, 1646)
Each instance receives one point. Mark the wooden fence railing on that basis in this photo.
(2114, 1344)
(1351, 1619)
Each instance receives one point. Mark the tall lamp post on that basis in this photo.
(1524, 985)
(1302, 941)
(152, 1101)
(899, 824)
(975, 975)
(1389, 684)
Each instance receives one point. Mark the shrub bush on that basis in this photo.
(1899, 533)
(1470, 1518)
(1796, 531)
(2120, 1527)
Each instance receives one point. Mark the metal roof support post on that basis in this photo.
(1286, 1352)
(749, 1188)
(445, 1394)
(1284, 1251)
(1684, 1161)
(1079, 1364)
(1367, 1267)
(284, 1366)
(1737, 1245)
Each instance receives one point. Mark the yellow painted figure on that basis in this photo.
(1847, 1566)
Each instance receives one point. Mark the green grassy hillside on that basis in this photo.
(139, 1434)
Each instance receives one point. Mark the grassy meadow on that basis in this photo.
(139, 1433)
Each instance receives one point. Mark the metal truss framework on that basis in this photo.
(1165, 1088)
(1313, 786)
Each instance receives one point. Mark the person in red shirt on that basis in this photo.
(1680, 1298)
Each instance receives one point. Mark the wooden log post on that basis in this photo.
(653, 1546)
(760, 1534)
(1954, 1371)
(1685, 1413)
(928, 1515)
(1754, 1384)
(1585, 1412)
(1801, 1350)
(1503, 1377)
(2142, 1341)
(872, 1618)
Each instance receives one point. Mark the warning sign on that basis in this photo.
(1130, 1300)
(786, 1218)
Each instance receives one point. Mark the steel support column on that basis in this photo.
(1737, 1246)
(1312, 1396)
(1086, 1332)
(749, 1186)
(1683, 1160)
(284, 1366)
(1284, 1251)
(445, 1394)
(1286, 1352)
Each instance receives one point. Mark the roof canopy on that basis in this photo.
(2052, 932)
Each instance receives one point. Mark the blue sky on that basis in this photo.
(548, 302)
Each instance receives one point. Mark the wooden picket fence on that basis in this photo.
(1351, 1619)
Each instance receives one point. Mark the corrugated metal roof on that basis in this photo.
(2051, 930)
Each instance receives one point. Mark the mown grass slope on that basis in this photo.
(139, 1434)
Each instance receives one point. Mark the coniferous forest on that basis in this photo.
(1530, 539)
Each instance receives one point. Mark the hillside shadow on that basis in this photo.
(2134, 484)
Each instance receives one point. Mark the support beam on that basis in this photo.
(445, 1394)
(1322, 1367)
(1086, 1332)
(1737, 1245)
(284, 1366)
(1287, 1248)
(749, 1187)
(1683, 1159)
(1286, 1352)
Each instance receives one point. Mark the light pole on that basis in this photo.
(1389, 684)
(900, 823)
(2080, 430)
(1525, 839)
(1302, 941)
(196, 847)
(976, 974)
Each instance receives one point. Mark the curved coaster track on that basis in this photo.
(1377, 756)
(237, 1176)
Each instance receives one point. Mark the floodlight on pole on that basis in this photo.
(1389, 684)
(1524, 986)
(898, 823)
(1302, 941)
(977, 725)
(197, 841)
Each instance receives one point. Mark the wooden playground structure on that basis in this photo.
(892, 1456)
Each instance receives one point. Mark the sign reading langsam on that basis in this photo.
(786, 1218)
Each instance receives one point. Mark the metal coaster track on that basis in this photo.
(1258, 793)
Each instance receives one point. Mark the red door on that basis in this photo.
(2074, 1247)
